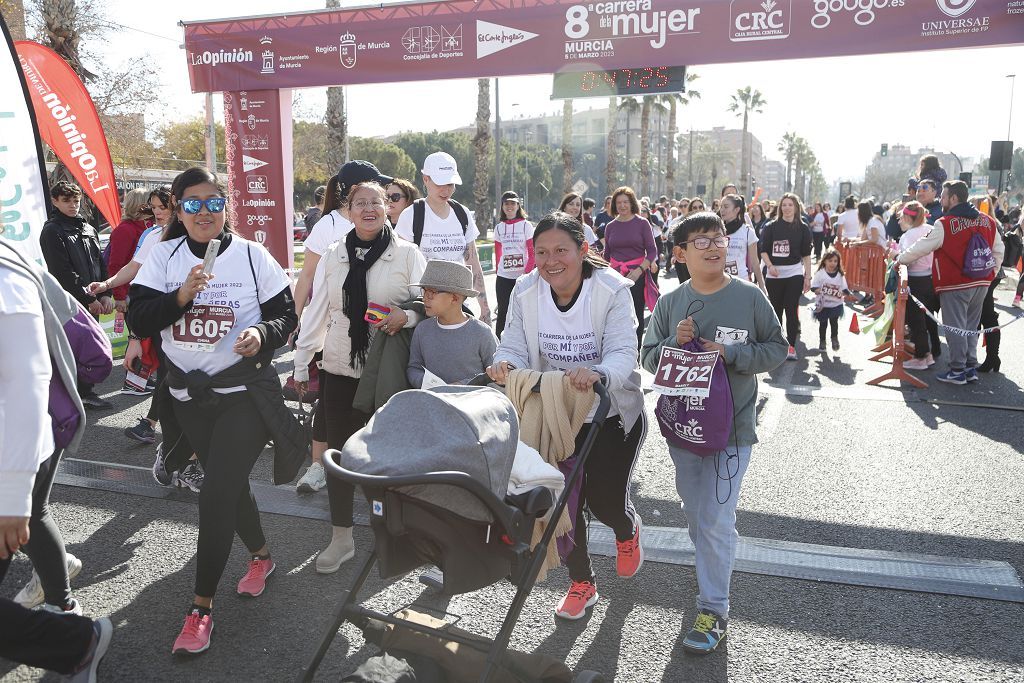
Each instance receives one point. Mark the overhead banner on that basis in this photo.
(70, 125)
(23, 190)
(257, 132)
(480, 38)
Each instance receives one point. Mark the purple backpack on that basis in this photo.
(978, 258)
(700, 425)
(91, 349)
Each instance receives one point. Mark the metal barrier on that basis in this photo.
(864, 265)
(896, 348)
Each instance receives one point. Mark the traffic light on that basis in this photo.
(885, 149)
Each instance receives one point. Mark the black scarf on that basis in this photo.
(732, 226)
(354, 299)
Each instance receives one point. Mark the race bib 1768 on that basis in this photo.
(202, 327)
(684, 373)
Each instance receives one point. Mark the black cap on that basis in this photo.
(510, 196)
(358, 171)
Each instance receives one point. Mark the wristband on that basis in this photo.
(134, 338)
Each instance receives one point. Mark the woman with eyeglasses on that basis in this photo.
(400, 194)
(786, 246)
(513, 252)
(371, 265)
(219, 331)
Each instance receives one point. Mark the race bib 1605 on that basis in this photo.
(202, 327)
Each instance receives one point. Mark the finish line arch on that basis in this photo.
(257, 61)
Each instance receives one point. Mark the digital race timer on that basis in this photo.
(644, 80)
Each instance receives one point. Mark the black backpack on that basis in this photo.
(419, 213)
(1014, 249)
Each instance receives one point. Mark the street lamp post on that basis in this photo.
(1009, 127)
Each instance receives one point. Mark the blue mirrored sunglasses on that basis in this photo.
(213, 205)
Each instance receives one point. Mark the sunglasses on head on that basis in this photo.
(213, 205)
(396, 197)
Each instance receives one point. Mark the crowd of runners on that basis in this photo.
(390, 296)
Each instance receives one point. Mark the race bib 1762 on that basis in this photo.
(684, 373)
(202, 327)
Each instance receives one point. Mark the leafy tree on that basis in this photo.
(459, 145)
(390, 159)
(183, 143)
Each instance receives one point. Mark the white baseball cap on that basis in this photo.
(442, 169)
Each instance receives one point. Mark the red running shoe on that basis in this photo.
(581, 595)
(195, 634)
(255, 580)
(629, 554)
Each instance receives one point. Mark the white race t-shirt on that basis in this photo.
(848, 225)
(818, 222)
(830, 288)
(736, 254)
(876, 232)
(567, 339)
(326, 231)
(513, 238)
(147, 240)
(442, 237)
(204, 337)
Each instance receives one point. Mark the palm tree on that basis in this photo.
(645, 139)
(631, 106)
(788, 146)
(746, 100)
(674, 100)
(62, 32)
(481, 150)
(803, 160)
(334, 117)
(567, 152)
(611, 146)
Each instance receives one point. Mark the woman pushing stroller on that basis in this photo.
(574, 314)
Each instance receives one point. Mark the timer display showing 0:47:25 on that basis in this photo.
(643, 78)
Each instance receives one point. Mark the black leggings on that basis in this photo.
(161, 373)
(228, 438)
(784, 294)
(607, 479)
(342, 421)
(639, 306)
(46, 546)
(989, 314)
(819, 240)
(924, 332)
(503, 287)
(823, 326)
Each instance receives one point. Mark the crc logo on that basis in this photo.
(753, 20)
(864, 10)
(257, 184)
(954, 8)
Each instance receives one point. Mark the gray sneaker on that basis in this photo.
(103, 631)
(74, 607)
(191, 476)
(160, 472)
(313, 480)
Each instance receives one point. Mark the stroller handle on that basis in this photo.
(604, 400)
(499, 510)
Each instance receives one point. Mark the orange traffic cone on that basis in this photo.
(854, 325)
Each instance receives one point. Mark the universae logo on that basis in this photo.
(954, 8)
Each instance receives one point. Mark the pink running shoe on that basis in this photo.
(255, 580)
(195, 634)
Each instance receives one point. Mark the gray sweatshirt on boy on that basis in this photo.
(738, 316)
(453, 354)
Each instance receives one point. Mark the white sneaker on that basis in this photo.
(313, 480)
(76, 608)
(31, 595)
(916, 364)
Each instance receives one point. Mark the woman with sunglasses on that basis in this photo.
(219, 333)
(400, 193)
(513, 252)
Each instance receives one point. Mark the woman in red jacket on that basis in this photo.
(125, 238)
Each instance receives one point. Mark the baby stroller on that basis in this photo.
(460, 519)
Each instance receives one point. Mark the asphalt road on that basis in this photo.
(861, 467)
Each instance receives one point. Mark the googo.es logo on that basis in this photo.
(765, 20)
(954, 8)
(864, 11)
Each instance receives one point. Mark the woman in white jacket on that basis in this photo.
(370, 265)
(574, 314)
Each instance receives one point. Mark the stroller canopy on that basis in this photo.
(451, 428)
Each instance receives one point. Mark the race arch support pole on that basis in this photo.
(210, 135)
(497, 154)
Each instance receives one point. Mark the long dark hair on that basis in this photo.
(568, 198)
(197, 175)
(559, 220)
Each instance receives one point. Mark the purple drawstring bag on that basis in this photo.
(979, 261)
(700, 425)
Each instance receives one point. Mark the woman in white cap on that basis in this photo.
(513, 251)
(443, 228)
(583, 310)
(368, 270)
(334, 225)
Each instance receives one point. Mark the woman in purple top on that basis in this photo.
(630, 249)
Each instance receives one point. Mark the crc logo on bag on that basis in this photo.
(765, 20)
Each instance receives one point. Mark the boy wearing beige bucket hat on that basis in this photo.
(450, 345)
